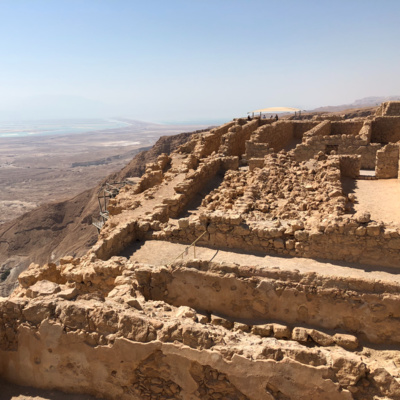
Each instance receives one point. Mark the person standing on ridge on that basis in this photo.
(276, 117)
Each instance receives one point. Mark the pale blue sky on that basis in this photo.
(168, 60)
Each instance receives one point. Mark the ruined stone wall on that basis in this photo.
(257, 150)
(263, 295)
(346, 127)
(211, 141)
(387, 162)
(233, 142)
(322, 129)
(342, 144)
(301, 127)
(54, 355)
(192, 184)
(345, 239)
(275, 137)
(389, 109)
(385, 130)
(350, 165)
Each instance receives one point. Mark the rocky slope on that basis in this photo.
(64, 228)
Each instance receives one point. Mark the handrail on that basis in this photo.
(188, 247)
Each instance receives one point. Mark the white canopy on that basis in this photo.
(275, 110)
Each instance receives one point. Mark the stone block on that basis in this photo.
(281, 331)
(262, 330)
(300, 334)
(348, 342)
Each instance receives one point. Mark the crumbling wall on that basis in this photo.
(385, 130)
(269, 138)
(340, 143)
(233, 142)
(389, 109)
(261, 295)
(301, 127)
(344, 240)
(322, 129)
(350, 165)
(211, 141)
(387, 162)
(346, 127)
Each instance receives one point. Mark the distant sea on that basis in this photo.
(57, 127)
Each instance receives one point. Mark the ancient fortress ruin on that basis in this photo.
(241, 266)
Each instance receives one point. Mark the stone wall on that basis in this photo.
(346, 127)
(389, 109)
(322, 129)
(342, 144)
(262, 295)
(233, 142)
(385, 130)
(301, 127)
(350, 166)
(211, 141)
(344, 239)
(387, 162)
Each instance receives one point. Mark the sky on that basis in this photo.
(193, 60)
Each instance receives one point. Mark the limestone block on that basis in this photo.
(237, 326)
(281, 331)
(262, 330)
(373, 230)
(279, 244)
(300, 334)
(321, 338)
(348, 342)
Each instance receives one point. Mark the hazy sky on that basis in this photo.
(171, 60)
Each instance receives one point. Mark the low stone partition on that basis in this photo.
(387, 162)
(351, 239)
(262, 295)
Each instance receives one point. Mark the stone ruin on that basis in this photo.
(299, 300)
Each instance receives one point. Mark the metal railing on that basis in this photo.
(186, 251)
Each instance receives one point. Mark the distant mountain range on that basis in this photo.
(372, 101)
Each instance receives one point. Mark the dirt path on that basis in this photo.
(380, 197)
(162, 252)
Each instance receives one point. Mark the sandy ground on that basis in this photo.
(159, 252)
(42, 169)
(9, 391)
(379, 197)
